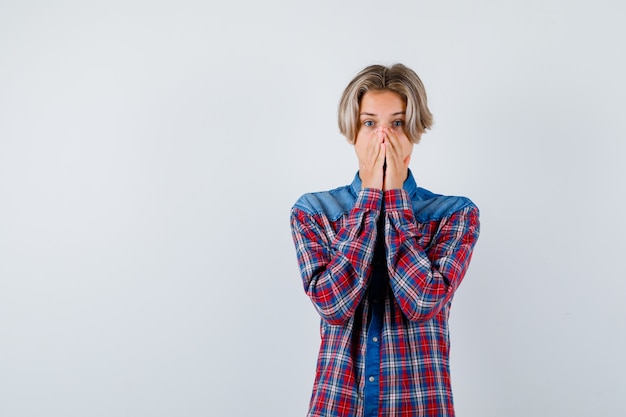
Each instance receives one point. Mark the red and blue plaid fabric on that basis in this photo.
(428, 242)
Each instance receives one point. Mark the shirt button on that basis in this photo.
(375, 339)
(372, 379)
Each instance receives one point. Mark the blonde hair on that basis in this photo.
(398, 79)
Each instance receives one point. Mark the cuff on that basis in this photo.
(397, 200)
(369, 199)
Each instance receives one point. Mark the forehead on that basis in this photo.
(382, 102)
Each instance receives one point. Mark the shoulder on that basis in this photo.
(428, 206)
(333, 203)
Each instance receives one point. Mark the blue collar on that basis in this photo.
(409, 184)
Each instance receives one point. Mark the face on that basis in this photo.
(382, 109)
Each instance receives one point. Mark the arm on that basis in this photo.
(335, 269)
(424, 280)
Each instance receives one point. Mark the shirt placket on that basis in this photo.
(376, 298)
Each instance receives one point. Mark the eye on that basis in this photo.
(398, 123)
(368, 123)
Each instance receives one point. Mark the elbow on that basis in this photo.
(334, 319)
(424, 304)
(332, 314)
(332, 306)
(421, 310)
(420, 315)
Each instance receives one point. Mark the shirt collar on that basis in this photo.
(410, 186)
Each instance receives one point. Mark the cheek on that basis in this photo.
(360, 137)
(358, 144)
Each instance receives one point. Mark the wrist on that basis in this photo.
(369, 182)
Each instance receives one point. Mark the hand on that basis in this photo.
(371, 154)
(398, 155)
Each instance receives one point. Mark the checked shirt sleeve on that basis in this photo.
(423, 280)
(335, 267)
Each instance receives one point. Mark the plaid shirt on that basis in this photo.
(381, 269)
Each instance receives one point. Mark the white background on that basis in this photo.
(150, 152)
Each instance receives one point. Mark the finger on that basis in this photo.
(399, 142)
(395, 140)
(367, 155)
(371, 148)
(376, 148)
(393, 146)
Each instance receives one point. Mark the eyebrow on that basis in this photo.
(393, 114)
